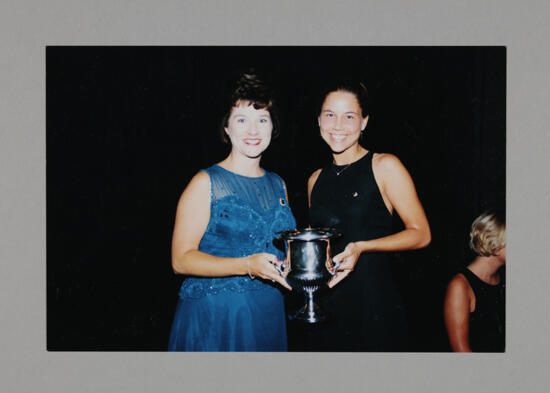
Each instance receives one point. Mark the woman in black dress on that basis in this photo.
(474, 304)
(358, 193)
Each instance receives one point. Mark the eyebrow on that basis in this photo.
(237, 112)
(345, 113)
(233, 115)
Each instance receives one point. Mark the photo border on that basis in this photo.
(29, 26)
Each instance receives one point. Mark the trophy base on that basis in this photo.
(310, 314)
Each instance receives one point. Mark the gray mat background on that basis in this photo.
(26, 27)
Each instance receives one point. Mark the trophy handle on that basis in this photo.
(281, 270)
(335, 268)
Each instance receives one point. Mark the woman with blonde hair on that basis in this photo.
(474, 304)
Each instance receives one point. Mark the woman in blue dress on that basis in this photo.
(225, 224)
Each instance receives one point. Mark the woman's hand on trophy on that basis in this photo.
(268, 267)
(338, 277)
(348, 259)
(286, 265)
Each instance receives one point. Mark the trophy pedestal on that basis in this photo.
(310, 312)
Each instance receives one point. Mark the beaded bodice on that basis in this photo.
(245, 214)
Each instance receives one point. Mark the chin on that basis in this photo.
(337, 149)
(254, 153)
(339, 146)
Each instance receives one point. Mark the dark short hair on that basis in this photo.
(355, 87)
(250, 88)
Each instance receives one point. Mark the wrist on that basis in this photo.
(363, 246)
(243, 265)
(248, 271)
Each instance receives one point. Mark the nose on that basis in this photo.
(338, 123)
(253, 129)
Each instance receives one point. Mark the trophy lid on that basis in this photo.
(309, 234)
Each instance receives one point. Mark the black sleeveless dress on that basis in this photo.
(367, 312)
(486, 329)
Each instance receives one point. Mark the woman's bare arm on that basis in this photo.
(399, 193)
(192, 217)
(457, 313)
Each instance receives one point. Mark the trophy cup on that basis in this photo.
(310, 266)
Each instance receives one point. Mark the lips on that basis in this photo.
(252, 141)
(338, 137)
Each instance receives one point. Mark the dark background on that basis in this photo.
(127, 127)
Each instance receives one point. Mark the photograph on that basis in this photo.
(275, 198)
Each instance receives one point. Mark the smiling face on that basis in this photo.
(341, 121)
(249, 129)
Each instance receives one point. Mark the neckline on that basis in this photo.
(244, 176)
(351, 163)
(484, 282)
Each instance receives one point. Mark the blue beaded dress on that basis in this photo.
(236, 313)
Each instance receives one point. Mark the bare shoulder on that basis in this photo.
(390, 173)
(386, 162)
(458, 285)
(201, 180)
(199, 186)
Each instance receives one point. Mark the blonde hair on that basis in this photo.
(488, 234)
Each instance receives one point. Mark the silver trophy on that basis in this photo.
(310, 266)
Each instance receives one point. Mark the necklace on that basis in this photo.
(341, 170)
(345, 166)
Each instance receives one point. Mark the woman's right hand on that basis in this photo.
(348, 258)
(262, 265)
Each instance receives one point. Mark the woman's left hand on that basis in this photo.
(349, 258)
(286, 265)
